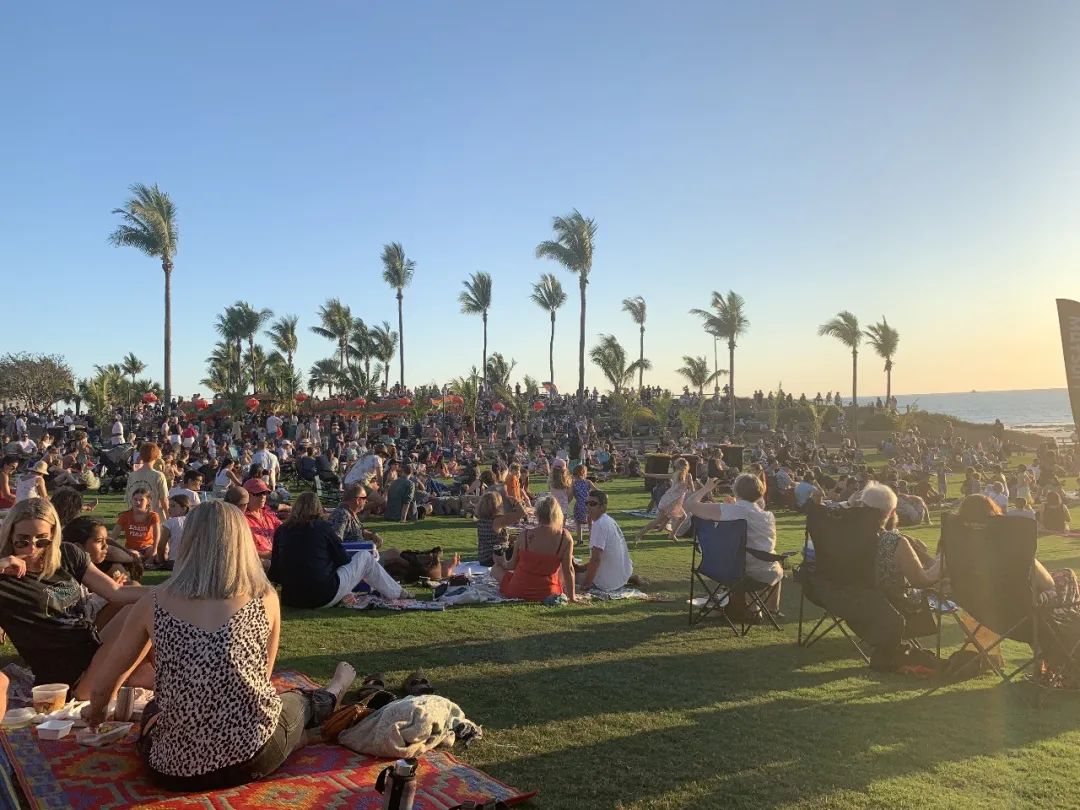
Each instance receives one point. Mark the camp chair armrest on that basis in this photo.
(767, 557)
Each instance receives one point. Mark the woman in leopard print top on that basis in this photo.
(215, 720)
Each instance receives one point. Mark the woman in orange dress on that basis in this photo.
(542, 562)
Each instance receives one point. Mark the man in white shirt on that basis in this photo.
(273, 425)
(117, 432)
(26, 445)
(192, 486)
(369, 467)
(268, 461)
(609, 560)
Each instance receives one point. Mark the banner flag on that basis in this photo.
(1069, 320)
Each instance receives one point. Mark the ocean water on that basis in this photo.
(1045, 411)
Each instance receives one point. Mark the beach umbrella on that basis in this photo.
(301, 398)
(538, 406)
(498, 407)
(201, 404)
(149, 397)
(252, 403)
(404, 402)
(359, 402)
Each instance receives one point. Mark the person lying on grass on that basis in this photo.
(45, 602)
(216, 720)
(542, 563)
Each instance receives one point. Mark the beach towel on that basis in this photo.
(366, 601)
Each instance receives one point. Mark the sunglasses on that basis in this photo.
(592, 503)
(34, 543)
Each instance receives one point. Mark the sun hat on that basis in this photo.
(41, 468)
(256, 486)
(558, 464)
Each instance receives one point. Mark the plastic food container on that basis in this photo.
(106, 734)
(18, 717)
(49, 697)
(54, 729)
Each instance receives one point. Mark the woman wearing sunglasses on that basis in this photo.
(44, 589)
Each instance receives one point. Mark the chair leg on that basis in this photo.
(802, 600)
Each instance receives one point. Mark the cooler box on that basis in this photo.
(733, 455)
(351, 549)
(656, 464)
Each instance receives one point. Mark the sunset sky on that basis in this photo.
(917, 161)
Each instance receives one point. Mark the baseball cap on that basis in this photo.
(256, 486)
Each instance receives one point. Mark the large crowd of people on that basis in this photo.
(233, 505)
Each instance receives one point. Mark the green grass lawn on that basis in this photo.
(622, 705)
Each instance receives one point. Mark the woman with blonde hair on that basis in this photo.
(542, 564)
(45, 591)
(669, 511)
(216, 720)
(559, 484)
(149, 477)
(491, 524)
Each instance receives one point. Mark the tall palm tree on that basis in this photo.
(573, 249)
(728, 322)
(132, 366)
(250, 322)
(398, 273)
(475, 299)
(336, 324)
(610, 357)
(258, 365)
(148, 223)
(229, 325)
(845, 328)
(385, 339)
(324, 374)
(884, 339)
(636, 307)
(284, 338)
(361, 344)
(548, 294)
(696, 371)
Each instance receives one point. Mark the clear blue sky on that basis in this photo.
(919, 161)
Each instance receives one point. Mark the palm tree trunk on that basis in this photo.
(485, 350)
(581, 346)
(855, 394)
(731, 384)
(343, 349)
(254, 373)
(166, 265)
(551, 351)
(401, 342)
(715, 367)
(641, 359)
(888, 383)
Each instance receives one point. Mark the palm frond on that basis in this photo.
(475, 299)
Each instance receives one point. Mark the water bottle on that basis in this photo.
(808, 551)
(397, 784)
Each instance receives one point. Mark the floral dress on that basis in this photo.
(582, 487)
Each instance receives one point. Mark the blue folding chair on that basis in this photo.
(722, 546)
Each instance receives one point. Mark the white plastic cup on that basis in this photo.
(49, 697)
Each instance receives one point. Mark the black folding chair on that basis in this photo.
(988, 568)
(722, 546)
(839, 555)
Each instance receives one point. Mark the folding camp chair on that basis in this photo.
(838, 568)
(988, 567)
(722, 545)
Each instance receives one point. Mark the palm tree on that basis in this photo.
(696, 371)
(361, 345)
(148, 222)
(573, 249)
(324, 374)
(498, 372)
(284, 339)
(385, 339)
(884, 339)
(475, 299)
(249, 322)
(336, 324)
(398, 272)
(728, 322)
(636, 307)
(468, 389)
(258, 364)
(548, 294)
(132, 366)
(845, 328)
(229, 325)
(610, 357)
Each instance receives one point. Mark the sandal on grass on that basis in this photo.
(417, 684)
(376, 679)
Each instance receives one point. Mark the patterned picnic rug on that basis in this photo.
(61, 774)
